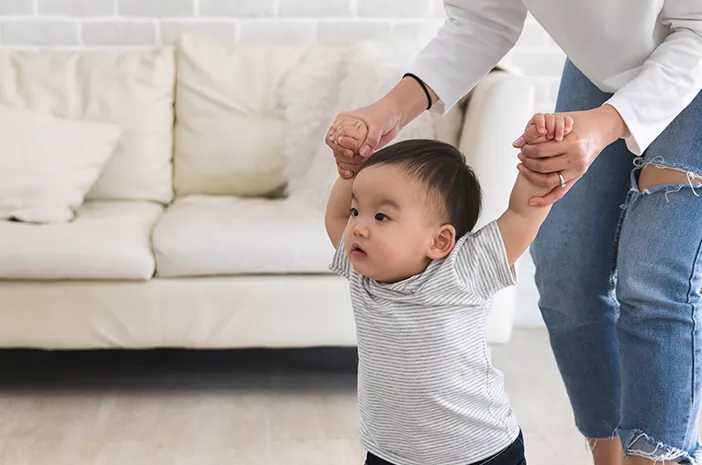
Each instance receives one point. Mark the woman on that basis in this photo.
(617, 260)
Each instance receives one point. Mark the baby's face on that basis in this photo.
(392, 227)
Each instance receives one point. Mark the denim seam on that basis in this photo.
(617, 237)
(693, 311)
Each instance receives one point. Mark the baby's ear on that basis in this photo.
(442, 245)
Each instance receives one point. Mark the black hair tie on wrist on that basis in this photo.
(424, 87)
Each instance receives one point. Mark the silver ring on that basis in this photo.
(563, 182)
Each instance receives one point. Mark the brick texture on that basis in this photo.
(172, 30)
(119, 33)
(115, 23)
(314, 8)
(345, 31)
(156, 7)
(396, 9)
(297, 32)
(40, 32)
(16, 7)
(81, 8)
(235, 8)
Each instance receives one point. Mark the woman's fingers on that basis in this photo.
(552, 197)
(549, 180)
(348, 166)
(339, 149)
(545, 165)
(546, 150)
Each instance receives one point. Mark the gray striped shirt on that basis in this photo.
(427, 391)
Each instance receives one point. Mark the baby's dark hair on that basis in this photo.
(443, 169)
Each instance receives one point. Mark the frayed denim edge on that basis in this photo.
(638, 443)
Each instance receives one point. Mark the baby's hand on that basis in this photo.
(544, 127)
(350, 132)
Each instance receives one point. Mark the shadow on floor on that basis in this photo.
(174, 369)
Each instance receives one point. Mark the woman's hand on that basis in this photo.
(542, 160)
(355, 135)
(382, 120)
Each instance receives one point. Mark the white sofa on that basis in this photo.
(182, 241)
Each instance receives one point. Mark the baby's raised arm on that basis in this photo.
(521, 222)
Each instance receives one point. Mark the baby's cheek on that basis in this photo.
(390, 251)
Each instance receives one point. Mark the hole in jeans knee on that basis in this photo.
(638, 443)
(654, 176)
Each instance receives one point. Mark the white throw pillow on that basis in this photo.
(323, 85)
(47, 164)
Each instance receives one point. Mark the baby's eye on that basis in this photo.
(353, 212)
(381, 217)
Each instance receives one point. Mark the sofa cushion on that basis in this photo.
(47, 164)
(133, 89)
(106, 240)
(230, 128)
(208, 235)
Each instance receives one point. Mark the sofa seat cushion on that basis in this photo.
(106, 240)
(211, 235)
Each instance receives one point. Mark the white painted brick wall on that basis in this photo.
(171, 30)
(16, 7)
(144, 23)
(286, 32)
(40, 32)
(81, 8)
(348, 30)
(396, 8)
(158, 8)
(115, 33)
(315, 8)
(238, 8)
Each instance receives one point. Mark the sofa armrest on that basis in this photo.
(498, 109)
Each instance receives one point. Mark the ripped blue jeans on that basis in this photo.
(619, 277)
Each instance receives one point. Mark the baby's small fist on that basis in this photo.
(544, 127)
(347, 133)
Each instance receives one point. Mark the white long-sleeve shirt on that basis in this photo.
(647, 52)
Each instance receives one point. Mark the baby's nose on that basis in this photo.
(360, 230)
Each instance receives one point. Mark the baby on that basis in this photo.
(421, 281)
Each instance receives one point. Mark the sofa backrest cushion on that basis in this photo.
(133, 89)
(230, 126)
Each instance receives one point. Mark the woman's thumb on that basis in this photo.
(370, 143)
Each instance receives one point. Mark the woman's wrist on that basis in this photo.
(408, 100)
(614, 126)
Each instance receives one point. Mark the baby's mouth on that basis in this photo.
(357, 251)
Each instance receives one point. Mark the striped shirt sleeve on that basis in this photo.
(341, 264)
(481, 262)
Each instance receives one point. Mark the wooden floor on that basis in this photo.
(237, 407)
